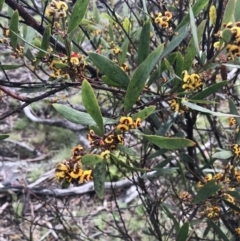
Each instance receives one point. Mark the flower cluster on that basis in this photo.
(6, 35)
(229, 179)
(57, 9)
(212, 211)
(236, 149)
(163, 20)
(18, 51)
(177, 106)
(191, 81)
(127, 123)
(71, 170)
(125, 67)
(115, 49)
(237, 230)
(109, 141)
(232, 121)
(233, 47)
(63, 66)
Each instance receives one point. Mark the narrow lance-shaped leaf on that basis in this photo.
(209, 91)
(99, 176)
(79, 117)
(183, 232)
(218, 231)
(206, 191)
(91, 104)
(139, 78)
(191, 51)
(110, 69)
(143, 114)
(179, 68)
(144, 43)
(222, 154)
(175, 41)
(170, 143)
(204, 110)
(44, 44)
(194, 31)
(197, 8)
(170, 215)
(229, 12)
(233, 110)
(78, 13)
(13, 25)
(7, 67)
(1, 4)
(237, 12)
(124, 48)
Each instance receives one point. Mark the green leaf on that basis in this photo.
(218, 231)
(91, 104)
(96, 130)
(183, 232)
(209, 91)
(207, 191)
(162, 163)
(232, 206)
(126, 150)
(126, 24)
(79, 117)
(99, 176)
(229, 12)
(233, 110)
(124, 48)
(170, 143)
(91, 159)
(191, 51)
(197, 8)
(109, 82)
(143, 114)
(182, 173)
(175, 42)
(95, 12)
(139, 78)
(171, 216)
(179, 68)
(1, 4)
(144, 42)
(13, 26)
(10, 66)
(186, 158)
(222, 155)
(2, 137)
(110, 69)
(194, 31)
(169, 67)
(237, 12)
(235, 194)
(227, 35)
(123, 164)
(204, 110)
(78, 13)
(165, 126)
(44, 44)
